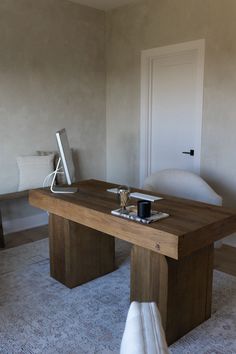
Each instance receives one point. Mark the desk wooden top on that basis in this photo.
(190, 226)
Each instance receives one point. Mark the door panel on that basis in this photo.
(173, 119)
(171, 107)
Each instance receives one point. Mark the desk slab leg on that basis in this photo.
(78, 254)
(2, 240)
(182, 289)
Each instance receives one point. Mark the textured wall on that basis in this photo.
(52, 75)
(154, 23)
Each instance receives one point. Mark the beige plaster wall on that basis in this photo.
(52, 75)
(154, 23)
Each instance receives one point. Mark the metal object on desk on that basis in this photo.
(124, 193)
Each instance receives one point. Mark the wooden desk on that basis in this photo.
(171, 260)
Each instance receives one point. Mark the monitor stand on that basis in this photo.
(64, 189)
(61, 189)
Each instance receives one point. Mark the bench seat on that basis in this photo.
(4, 198)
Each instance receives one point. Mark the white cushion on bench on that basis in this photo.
(143, 330)
(60, 178)
(33, 170)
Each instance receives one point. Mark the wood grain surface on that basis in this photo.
(78, 254)
(191, 225)
(171, 260)
(182, 289)
(14, 195)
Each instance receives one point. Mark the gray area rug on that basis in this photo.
(39, 315)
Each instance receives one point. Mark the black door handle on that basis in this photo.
(191, 152)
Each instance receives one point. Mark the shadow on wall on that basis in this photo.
(75, 157)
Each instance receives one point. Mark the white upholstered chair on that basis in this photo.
(143, 332)
(183, 184)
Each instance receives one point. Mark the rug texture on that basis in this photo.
(40, 315)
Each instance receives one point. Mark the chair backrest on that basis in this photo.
(183, 184)
(143, 332)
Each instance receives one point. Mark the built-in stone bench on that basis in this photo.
(4, 198)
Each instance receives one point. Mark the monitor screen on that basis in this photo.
(66, 155)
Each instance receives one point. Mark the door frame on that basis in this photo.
(147, 58)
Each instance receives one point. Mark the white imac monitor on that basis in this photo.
(66, 163)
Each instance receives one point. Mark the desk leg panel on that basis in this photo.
(78, 254)
(182, 289)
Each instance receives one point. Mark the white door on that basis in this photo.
(171, 108)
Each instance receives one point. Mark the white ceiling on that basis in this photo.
(104, 4)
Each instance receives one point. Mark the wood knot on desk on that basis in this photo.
(157, 246)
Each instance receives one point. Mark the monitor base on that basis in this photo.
(62, 189)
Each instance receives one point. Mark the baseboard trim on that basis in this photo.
(15, 225)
